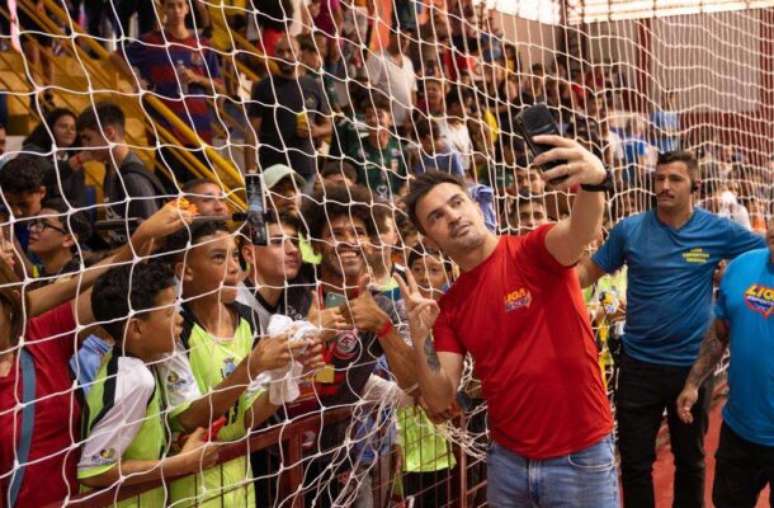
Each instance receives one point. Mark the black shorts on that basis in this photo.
(742, 471)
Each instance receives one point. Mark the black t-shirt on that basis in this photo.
(277, 101)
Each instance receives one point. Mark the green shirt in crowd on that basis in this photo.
(211, 359)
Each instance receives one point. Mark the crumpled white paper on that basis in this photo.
(283, 382)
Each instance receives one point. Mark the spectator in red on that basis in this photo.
(518, 310)
(52, 426)
(328, 20)
(183, 71)
(273, 18)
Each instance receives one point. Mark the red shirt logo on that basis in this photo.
(517, 299)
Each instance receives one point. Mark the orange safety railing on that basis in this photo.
(288, 435)
(464, 484)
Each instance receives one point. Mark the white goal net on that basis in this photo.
(110, 111)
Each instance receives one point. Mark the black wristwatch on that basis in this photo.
(604, 186)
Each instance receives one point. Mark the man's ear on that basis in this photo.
(69, 241)
(110, 133)
(183, 271)
(133, 329)
(247, 254)
(41, 190)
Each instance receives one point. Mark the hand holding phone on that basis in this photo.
(534, 121)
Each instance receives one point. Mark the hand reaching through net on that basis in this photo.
(366, 314)
(197, 453)
(170, 218)
(331, 320)
(275, 352)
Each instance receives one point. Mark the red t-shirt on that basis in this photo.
(521, 316)
(51, 342)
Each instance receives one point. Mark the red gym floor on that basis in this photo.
(663, 474)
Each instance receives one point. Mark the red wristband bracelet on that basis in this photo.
(387, 328)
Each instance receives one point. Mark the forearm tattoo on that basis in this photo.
(710, 353)
(432, 357)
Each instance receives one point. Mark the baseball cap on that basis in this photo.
(278, 172)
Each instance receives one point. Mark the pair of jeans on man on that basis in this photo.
(644, 392)
(585, 479)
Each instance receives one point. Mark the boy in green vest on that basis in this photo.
(124, 424)
(219, 345)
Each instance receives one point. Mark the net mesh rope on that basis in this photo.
(626, 84)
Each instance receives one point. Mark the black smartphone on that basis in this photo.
(533, 121)
(255, 219)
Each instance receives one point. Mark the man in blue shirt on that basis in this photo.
(744, 316)
(671, 253)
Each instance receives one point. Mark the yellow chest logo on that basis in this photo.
(696, 256)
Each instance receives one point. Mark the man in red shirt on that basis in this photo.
(518, 310)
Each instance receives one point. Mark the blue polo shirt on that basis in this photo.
(669, 294)
(746, 303)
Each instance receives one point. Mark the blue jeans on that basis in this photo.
(585, 479)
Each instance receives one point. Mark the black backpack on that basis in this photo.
(158, 187)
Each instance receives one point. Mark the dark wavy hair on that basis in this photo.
(128, 288)
(42, 136)
(336, 201)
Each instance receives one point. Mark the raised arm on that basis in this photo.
(438, 374)
(164, 222)
(568, 239)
